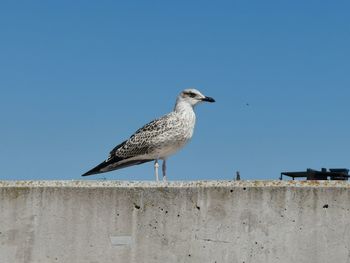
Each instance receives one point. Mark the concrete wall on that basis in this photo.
(111, 221)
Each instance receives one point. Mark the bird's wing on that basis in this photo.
(143, 141)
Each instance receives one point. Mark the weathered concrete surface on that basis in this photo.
(111, 221)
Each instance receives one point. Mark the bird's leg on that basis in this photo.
(164, 170)
(156, 165)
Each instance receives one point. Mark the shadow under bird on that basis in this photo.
(158, 139)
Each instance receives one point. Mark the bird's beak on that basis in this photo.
(208, 99)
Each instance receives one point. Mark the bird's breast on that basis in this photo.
(177, 137)
(188, 120)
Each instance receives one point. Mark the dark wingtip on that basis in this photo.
(96, 170)
(87, 173)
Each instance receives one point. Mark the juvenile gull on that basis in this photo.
(158, 139)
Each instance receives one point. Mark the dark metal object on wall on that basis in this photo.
(324, 174)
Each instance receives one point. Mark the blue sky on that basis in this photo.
(79, 77)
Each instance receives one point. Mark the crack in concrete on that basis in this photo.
(215, 241)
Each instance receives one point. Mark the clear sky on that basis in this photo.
(79, 77)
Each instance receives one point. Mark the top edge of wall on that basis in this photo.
(172, 184)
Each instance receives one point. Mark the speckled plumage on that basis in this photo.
(152, 139)
(157, 139)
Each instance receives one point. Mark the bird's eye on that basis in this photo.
(191, 94)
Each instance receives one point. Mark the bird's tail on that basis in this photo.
(113, 164)
(97, 169)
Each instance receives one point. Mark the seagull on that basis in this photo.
(158, 139)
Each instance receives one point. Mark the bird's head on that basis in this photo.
(193, 97)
